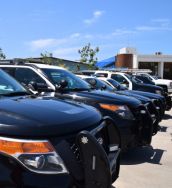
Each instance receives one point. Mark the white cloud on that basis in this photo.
(88, 36)
(118, 32)
(96, 15)
(44, 43)
(160, 24)
(53, 42)
(154, 28)
(67, 53)
(161, 20)
(75, 35)
(146, 28)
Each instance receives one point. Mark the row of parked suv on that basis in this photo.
(64, 130)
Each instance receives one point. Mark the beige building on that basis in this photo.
(159, 63)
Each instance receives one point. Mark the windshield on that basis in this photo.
(133, 78)
(8, 85)
(56, 75)
(117, 84)
(148, 76)
(100, 84)
(155, 77)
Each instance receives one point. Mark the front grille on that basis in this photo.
(151, 109)
(76, 152)
(136, 112)
(100, 133)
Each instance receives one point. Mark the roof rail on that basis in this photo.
(13, 61)
(127, 70)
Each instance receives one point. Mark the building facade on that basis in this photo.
(160, 64)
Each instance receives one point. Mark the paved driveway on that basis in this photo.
(149, 167)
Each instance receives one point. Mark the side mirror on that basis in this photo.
(92, 82)
(103, 87)
(124, 82)
(63, 83)
(118, 87)
(33, 86)
(40, 87)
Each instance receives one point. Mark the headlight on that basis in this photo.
(37, 156)
(158, 92)
(122, 110)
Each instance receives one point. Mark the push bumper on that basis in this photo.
(92, 161)
(168, 103)
(154, 109)
(144, 126)
(95, 157)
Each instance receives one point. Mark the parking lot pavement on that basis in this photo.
(149, 167)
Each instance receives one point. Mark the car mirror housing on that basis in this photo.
(63, 84)
(40, 87)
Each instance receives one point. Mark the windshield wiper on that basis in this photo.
(17, 93)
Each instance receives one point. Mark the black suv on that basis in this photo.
(130, 116)
(49, 143)
(146, 80)
(156, 111)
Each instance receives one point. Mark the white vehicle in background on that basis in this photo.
(120, 77)
(158, 81)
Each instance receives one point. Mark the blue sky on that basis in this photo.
(29, 27)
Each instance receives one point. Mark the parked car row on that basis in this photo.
(132, 82)
(64, 130)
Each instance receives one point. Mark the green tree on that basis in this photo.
(2, 55)
(88, 54)
(47, 57)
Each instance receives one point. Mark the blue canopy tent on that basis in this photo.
(107, 63)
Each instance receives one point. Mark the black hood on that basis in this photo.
(109, 97)
(37, 117)
(146, 87)
(143, 99)
(147, 94)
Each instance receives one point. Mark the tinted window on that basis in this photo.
(118, 78)
(101, 75)
(8, 84)
(88, 73)
(25, 75)
(117, 84)
(56, 75)
(9, 70)
(114, 82)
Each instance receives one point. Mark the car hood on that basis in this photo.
(150, 86)
(146, 94)
(106, 96)
(143, 99)
(26, 117)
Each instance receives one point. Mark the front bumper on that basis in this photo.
(91, 157)
(136, 132)
(155, 110)
(144, 125)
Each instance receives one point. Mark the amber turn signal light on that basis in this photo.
(12, 147)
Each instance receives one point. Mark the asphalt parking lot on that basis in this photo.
(149, 167)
